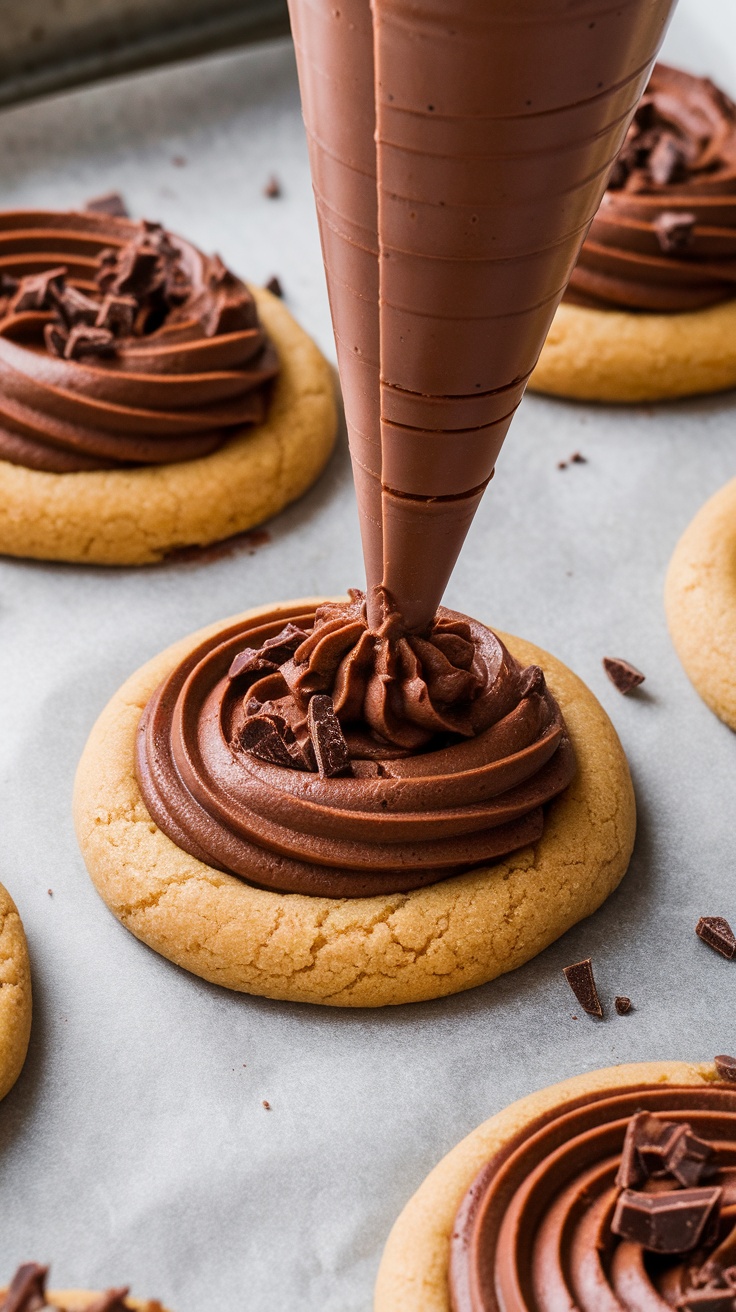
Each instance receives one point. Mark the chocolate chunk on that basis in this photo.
(55, 338)
(250, 662)
(653, 1146)
(672, 1222)
(726, 1067)
(39, 290)
(113, 1300)
(666, 161)
(117, 314)
(708, 1300)
(623, 676)
(265, 737)
(577, 458)
(674, 230)
(74, 307)
(83, 340)
(272, 189)
(717, 933)
(8, 284)
(27, 1290)
(689, 1158)
(328, 741)
(137, 269)
(274, 286)
(110, 203)
(580, 978)
(622, 1005)
(284, 644)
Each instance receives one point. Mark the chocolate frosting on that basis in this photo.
(454, 749)
(534, 1231)
(459, 150)
(664, 238)
(188, 372)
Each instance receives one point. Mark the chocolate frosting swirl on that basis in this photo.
(533, 1233)
(188, 372)
(453, 749)
(664, 238)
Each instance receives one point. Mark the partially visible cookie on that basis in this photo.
(415, 1269)
(354, 952)
(700, 601)
(15, 994)
(27, 1293)
(611, 355)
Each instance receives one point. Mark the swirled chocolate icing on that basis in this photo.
(453, 749)
(664, 238)
(539, 1231)
(121, 344)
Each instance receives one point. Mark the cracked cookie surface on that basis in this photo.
(611, 355)
(413, 1276)
(354, 952)
(15, 994)
(700, 601)
(136, 516)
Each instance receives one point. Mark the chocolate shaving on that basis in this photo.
(666, 161)
(330, 748)
(274, 286)
(675, 1221)
(674, 231)
(717, 933)
(110, 203)
(27, 1290)
(726, 1068)
(622, 1005)
(39, 290)
(580, 978)
(83, 340)
(623, 676)
(272, 189)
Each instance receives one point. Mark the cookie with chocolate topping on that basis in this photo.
(650, 310)
(614, 1188)
(149, 399)
(27, 1292)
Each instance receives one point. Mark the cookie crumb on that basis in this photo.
(623, 675)
(272, 189)
(726, 1067)
(580, 978)
(622, 1005)
(717, 933)
(267, 1105)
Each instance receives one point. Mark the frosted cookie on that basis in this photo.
(650, 310)
(700, 601)
(295, 805)
(15, 994)
(610, 1190)
(27, 1293)
(149, 400)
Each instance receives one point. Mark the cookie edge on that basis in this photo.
(16, 1001)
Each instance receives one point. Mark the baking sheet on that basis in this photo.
(135, 1146)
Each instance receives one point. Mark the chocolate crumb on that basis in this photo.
(726, 1067)
(50, 892)
(110, 203)
(674, 230)
(328, 740)
(717, 933)
(272, 189)
(580, 978)
(274, 287)
(562, 464)
(267, 1105)
(577, 458)
(624, 676)
(622, 1005)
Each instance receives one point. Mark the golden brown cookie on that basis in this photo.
(413, 1276)
(612, 355)
(15, 994)
(76, 1300)
(354, 952)
(700, 601)
(136, 516)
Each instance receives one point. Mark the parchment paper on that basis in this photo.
(135, 1147)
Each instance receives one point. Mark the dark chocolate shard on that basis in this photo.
(690, 1159)
(117, 314)
(83, 340)
(268, 736)
(653, 1146)
(580, 978)
(577, 458)
(726, 1068)
(113, 1300)
(111, 203)
(274, 286)
(137, 271)
(622, 674)
(674, 230)
(272, 189)
(675, 1221)
(284, 644)
(251, 663)
(666, 161)
(74, 307)
(330, 748)
(717, 933)
(622, 1004)
(710, 1299)
(27, 1289)
(39, 290)
(55, 338)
